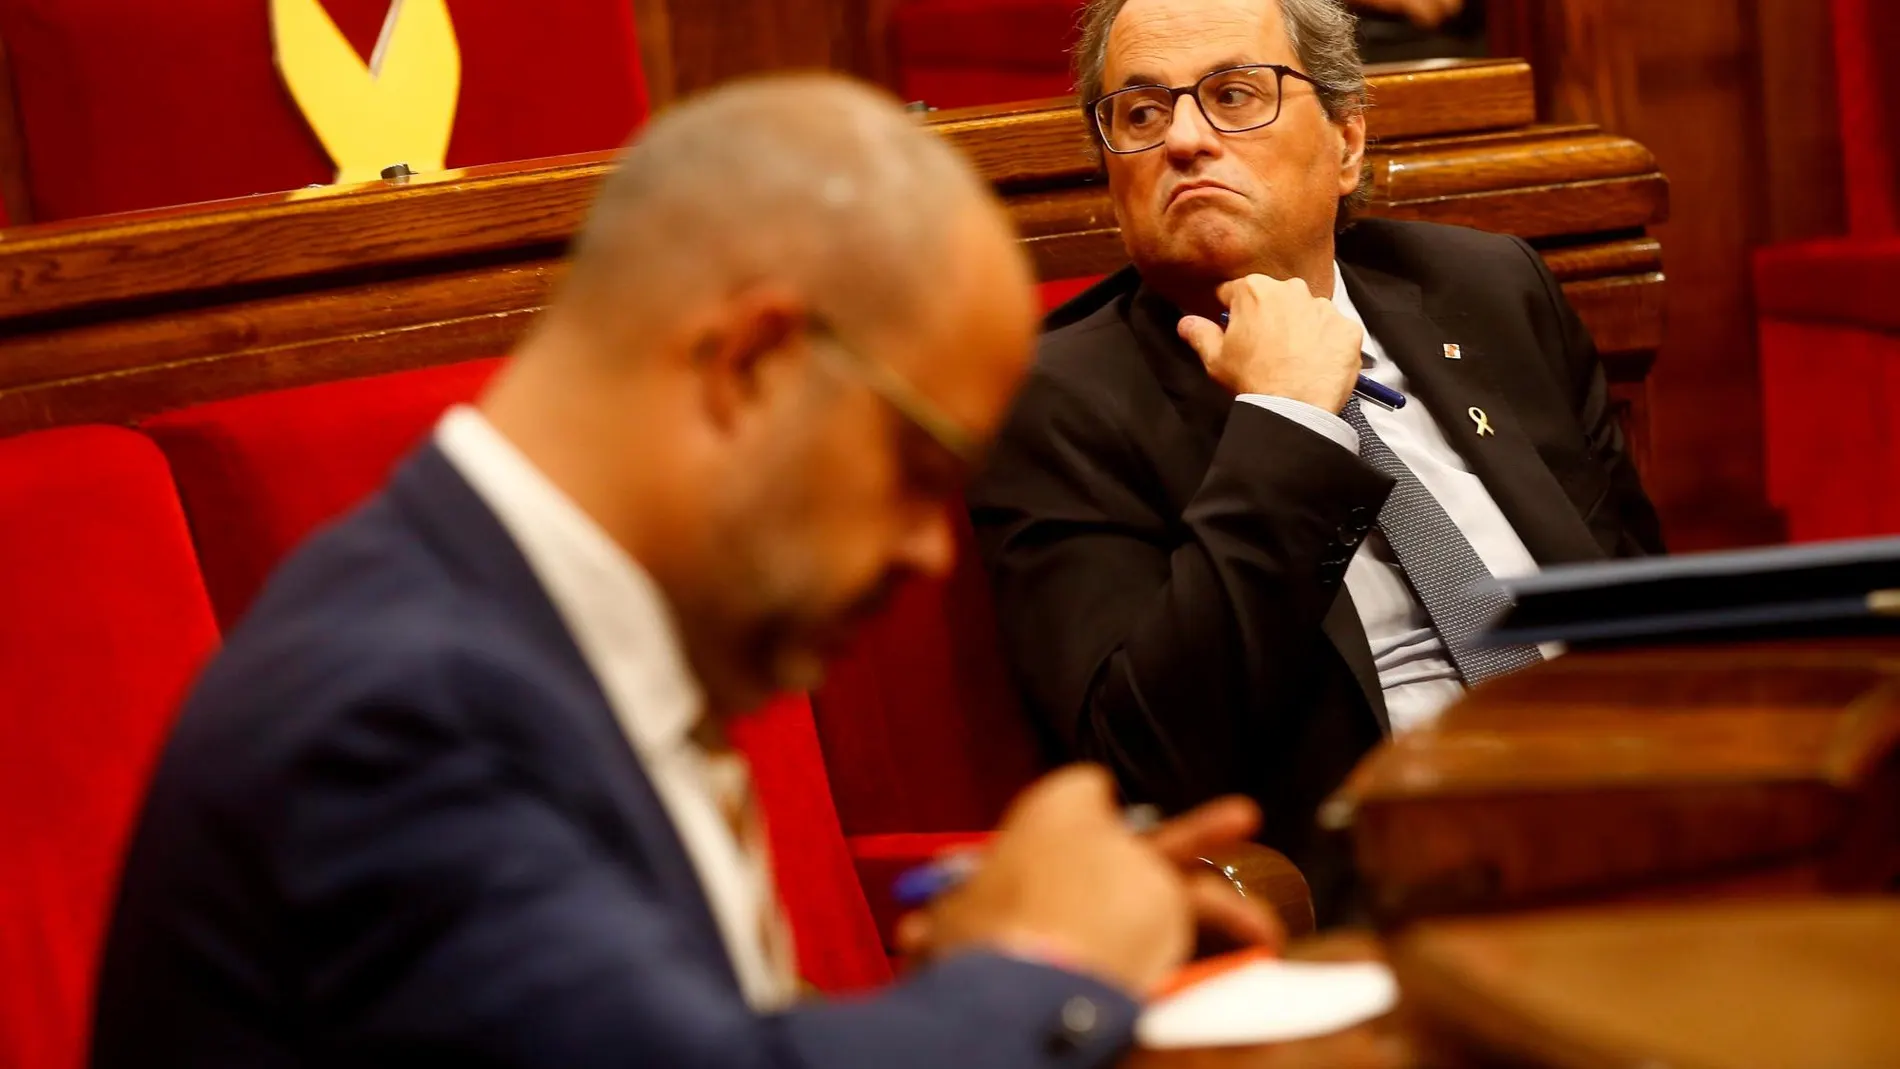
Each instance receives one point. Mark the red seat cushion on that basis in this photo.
(136, 105)
(106, 623)
(259, 473)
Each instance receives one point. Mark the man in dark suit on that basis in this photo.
(1215, 568)
(457, 791)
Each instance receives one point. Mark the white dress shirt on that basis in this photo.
(625, 630)
(1415, 670)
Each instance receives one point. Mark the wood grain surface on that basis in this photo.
(1663, 773)
(1798, 985)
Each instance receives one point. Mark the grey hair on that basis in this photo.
(1321, 33)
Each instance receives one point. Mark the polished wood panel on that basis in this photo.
(114, 318)
(1808, 985)
(1695, 771)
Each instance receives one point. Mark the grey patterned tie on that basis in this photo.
(1439, 563)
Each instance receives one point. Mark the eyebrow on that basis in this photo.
(1144, 78)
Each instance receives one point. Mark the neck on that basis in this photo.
(1197, 293)
(611, 441)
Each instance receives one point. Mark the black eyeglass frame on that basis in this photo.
(1175, 93)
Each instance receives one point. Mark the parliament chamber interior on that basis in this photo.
(1660, 853)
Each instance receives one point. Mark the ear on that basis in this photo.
(751, 348)
(1352, 153)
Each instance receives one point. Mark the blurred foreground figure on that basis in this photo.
(457, 791)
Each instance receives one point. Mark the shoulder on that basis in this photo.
(1434, 254)
(362, 634)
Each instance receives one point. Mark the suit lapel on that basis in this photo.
(458, 525)
(1463, 395)
(1204, 405)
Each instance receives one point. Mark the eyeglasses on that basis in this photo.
(1233, 100)
(896, 391)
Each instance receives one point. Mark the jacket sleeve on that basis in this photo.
(453, 913)
(1641, 529)
(1163, 645)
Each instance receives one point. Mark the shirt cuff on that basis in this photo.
(1312, 417)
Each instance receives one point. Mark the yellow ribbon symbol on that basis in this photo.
(397, 108)
(1483, 421)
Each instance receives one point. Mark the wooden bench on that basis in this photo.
(116, 318)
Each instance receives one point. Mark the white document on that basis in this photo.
(1269, 1001)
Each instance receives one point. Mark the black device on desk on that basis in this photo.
(1829, 588)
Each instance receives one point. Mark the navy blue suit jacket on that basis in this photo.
(397, 824)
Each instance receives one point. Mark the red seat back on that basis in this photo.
(962, 53)
(838, 945)
(259, 473)
(921, 726)
(136, 105)
(106, 622)
(1865, 32)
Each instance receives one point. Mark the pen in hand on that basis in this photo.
(1384, 396)
(916, 887)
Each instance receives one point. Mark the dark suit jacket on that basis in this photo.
(398, 825)
(1167, 563)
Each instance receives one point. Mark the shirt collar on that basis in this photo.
(615, 612)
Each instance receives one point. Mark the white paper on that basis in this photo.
(1269, 1002)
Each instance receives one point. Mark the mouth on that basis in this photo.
(1188, 190)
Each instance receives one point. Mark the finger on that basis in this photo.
(1217, 823)
(1204, 336)
(1073, 793)
(913, 934)
(1219, 908)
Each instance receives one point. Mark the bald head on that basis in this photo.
(811, 182)
(791, 320)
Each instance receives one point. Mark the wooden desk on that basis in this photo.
(116, 318)
(1660, 774)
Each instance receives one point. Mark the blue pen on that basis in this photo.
(916, 887)
(1384, 396)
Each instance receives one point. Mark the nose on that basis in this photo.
(930, 546)
(1190, 134)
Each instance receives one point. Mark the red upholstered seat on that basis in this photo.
(106, 622)
(838, 946)
(1864, 34)
(135, 105)
(1830, 344)
(922, 731)
(1830, 330)
(961, 53)
(259, 473)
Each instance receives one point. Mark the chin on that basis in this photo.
(1209, 246)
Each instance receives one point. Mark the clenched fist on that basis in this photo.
(1280, 341)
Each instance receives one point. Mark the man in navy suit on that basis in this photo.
(457, 792)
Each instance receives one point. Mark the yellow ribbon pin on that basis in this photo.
(397, 108)
(1483, 421)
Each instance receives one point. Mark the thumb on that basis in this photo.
(1203, 335)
